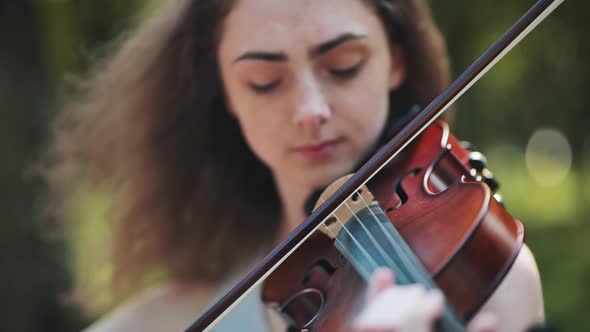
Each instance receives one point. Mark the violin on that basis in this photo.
(426, 214)
(422, 206)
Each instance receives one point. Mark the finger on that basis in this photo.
(371, 329)
(432, 306)
(426, 311)
(483, 322)
(381, 279)
(391, 308)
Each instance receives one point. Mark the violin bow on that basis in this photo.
(405, 136)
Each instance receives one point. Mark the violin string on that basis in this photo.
(401, 253)
(401, 273)
(337, 240)
(397, 251)
(347, 252)
(412, 275)
(362, 249)
(450, 320)
(378, 246)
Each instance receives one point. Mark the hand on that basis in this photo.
(395, 308)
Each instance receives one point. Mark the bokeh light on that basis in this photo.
(548, 157)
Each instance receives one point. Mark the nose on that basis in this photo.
(312, 109)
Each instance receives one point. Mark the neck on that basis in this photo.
(293, 196)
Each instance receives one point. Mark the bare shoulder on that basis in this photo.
(170, 306)
(518, 301)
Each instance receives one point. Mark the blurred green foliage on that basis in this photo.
(540, 84)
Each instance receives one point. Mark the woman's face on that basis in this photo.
(308, 82)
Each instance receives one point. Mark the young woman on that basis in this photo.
(213, 124)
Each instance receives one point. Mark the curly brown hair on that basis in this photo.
(189, 196)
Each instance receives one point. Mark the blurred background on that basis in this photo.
(528, 115)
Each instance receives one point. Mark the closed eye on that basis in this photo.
(346, 72)
(262, 88)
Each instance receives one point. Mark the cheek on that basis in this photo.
(370, 123)
(365, 113)
(255, 132)
(250, 120)
(262, 133)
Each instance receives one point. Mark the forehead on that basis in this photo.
(285, 24)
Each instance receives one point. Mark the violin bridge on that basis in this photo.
(361, 199)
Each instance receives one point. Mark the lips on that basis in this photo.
(318, 151)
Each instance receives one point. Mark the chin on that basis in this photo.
(322, 178)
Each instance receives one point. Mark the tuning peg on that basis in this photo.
(489, 178)
(499, 199)
(478, 161)
(468, 146)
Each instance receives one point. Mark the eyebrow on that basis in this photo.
(315, 51)
(260, 55)
(332, 43)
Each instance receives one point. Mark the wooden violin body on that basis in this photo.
(463, 237)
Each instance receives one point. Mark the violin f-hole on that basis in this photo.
(399, 189)
(322, 264)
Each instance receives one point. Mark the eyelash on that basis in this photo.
(347, 72)
(264, 87)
